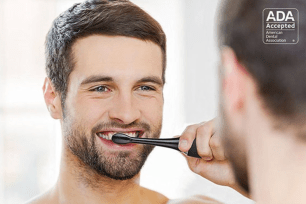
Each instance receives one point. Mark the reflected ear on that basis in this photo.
(52, 99)
(234, 81)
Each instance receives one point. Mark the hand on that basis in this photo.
(213, 165)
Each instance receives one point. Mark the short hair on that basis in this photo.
(278, 69)
(104, 17)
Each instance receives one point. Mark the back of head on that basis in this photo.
(278, 69)
(102, 17)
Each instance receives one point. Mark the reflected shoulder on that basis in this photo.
(45, 198)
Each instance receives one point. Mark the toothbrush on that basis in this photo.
(120, 138)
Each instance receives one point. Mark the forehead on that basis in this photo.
(116, 56)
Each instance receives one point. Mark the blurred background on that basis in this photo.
(30, 141)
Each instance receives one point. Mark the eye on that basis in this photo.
(146, 88)
(100, 89)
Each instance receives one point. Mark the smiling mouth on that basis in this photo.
(108, 135)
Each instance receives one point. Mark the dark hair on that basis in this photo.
(105, 17)
(278, 69)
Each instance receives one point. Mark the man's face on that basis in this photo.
(233, 139)
(116, 86)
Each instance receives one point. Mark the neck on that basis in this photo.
(79, 184)
(277, 163)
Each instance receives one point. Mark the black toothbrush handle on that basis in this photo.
(193, 152)
(170, 143)
(163, 142)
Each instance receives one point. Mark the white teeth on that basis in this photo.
(106, 136)
(131, 134)
(109, 135)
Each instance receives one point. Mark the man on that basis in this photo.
(105, 63)
(263, 105)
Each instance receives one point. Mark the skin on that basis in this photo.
(134, 94)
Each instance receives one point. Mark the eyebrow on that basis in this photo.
(152, 79)
(95, 78)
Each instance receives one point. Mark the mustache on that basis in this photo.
(145, 126)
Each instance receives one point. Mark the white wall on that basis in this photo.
(201, 58)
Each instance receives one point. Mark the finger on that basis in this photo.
(216, 147)
(192, 162)
(204, 133)
(211, 124)
(187, 137)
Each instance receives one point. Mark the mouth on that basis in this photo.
(107, 135)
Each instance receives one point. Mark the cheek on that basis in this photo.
(152, 110)
(89, 111)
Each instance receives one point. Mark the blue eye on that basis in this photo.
(146, 88)
(100, 89)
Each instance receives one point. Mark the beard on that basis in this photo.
(95, 160)
(234, 150)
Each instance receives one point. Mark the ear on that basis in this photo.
(52, 99)
(234, 84)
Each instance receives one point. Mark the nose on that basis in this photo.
(124, 109)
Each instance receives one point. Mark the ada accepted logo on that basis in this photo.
(280, 26)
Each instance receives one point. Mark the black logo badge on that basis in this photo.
(280, 26)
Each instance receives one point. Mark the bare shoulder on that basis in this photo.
(45, 198)
(151, 196)
(196, 199)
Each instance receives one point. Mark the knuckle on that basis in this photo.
(189, 132)
(186, 135)
(203, 130)
(190, 128)
(215, 143)
(204, 152)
